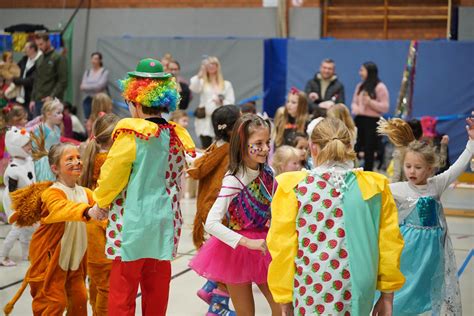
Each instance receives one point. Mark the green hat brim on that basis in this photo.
(158, 75)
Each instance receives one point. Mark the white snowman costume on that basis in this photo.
(19, 174)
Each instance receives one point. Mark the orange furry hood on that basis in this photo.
(26, 203)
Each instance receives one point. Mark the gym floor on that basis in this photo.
(183, 300)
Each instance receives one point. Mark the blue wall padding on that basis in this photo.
(304, 58)
(275, 72)
(444, 80)
(445, 85)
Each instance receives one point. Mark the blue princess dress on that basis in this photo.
(427, 261)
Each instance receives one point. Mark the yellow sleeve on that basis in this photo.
(185, 138)
(116, 169)
(282, 240)
(391, 243)
(59, 209)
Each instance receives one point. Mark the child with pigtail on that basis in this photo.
(334, 236)
(428, 260)
(98, 266)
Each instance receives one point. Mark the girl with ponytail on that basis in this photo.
(327, 222)
(428, 260)
(98, 266)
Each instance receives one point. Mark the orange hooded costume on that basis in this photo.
(209, 170)
(58, 247)
(98, 266)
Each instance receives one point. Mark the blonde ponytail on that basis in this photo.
(397, 130)
(90, 152)
(334, 141)
(102, 133)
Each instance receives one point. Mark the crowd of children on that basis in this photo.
(280, 204)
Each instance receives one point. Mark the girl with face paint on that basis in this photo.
(236, 254)
(58, 247)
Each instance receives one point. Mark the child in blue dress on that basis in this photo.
(428, 261)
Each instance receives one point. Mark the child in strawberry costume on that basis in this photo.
(334, 236)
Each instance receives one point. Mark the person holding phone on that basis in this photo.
(213, 92)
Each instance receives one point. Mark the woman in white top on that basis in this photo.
(94, 81)
(213, 91)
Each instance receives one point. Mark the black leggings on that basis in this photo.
(367, 139)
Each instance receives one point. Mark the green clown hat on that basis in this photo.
(149, 68)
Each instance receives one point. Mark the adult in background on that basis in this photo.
(369, 103)
(183, 88)
(214, 92)
(94, 81)
(325, 89)
(27, 74)
(51, 75)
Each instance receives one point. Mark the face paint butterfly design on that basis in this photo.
(254, 149)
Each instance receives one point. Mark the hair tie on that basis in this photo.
(294, 90)
(221, 127)
(313, 124)
(101, 113)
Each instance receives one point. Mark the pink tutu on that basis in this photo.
(218, 262)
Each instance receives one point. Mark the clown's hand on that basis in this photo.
(98, 213)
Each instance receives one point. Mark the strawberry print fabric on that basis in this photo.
(322, 281)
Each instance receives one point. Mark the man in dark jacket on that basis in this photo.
(325, 89)
(27, 75)
(51, 75)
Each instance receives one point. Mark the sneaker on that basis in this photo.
(219, 306)
(7, 262)
(205, 293)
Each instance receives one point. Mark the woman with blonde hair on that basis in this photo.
(101, 103)
(214, 92)
(340, 111)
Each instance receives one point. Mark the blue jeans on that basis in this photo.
(38, 108)
(87, 106)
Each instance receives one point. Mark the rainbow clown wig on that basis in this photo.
(150, 86)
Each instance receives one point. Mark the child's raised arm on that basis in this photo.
(443, 180)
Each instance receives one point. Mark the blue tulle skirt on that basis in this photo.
(422, 264)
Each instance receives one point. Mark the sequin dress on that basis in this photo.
(249, 215)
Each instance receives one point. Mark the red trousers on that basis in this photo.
(154, 278)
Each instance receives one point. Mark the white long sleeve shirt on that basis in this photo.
(207, 99)
(436, 185)
(230, 187)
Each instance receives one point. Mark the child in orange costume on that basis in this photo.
(98, 266)
(58, 247)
